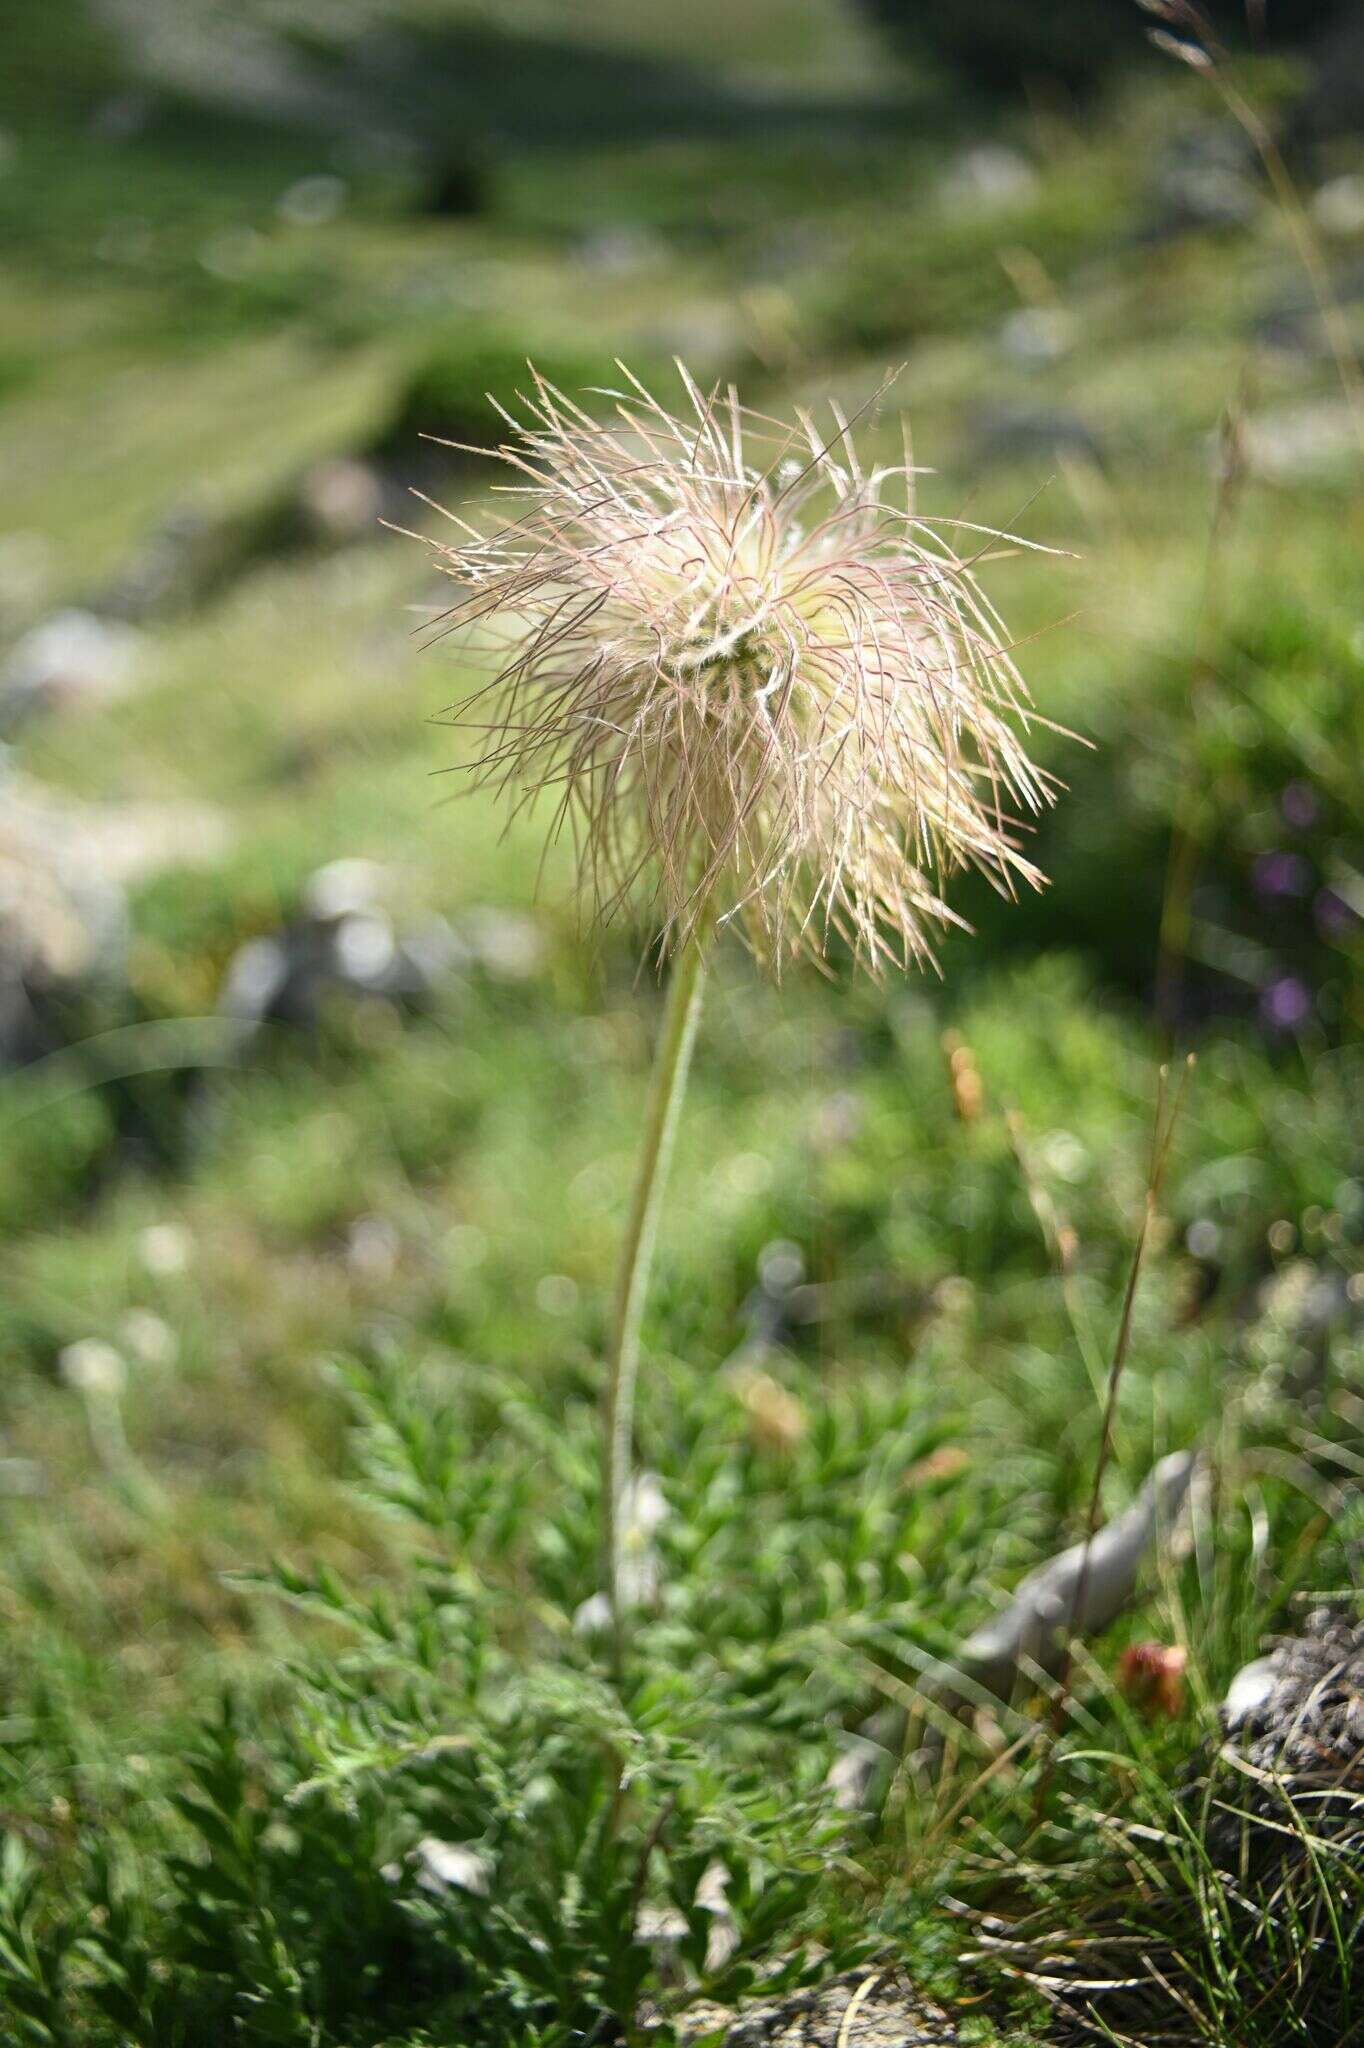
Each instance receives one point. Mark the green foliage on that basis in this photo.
(1157, 1932)
(308, 1902)
(454, 392)
(32, 1953)
(443, 1815)
(931, 271)
(357, 1280)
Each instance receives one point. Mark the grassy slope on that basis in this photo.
(297, 702)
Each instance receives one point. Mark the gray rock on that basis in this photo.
(313, 201)
(63, 921)
(870, 2007)
(341, 500)
(452, 1866)
(1292, 320)
(1277, 1805)
(853, 1775)
(1313, 442)
(166, 571)
(1337, 207)
(71, 657)
(987, 178)
(1291, 1761)
(1035, 336)
(344, 942)
(1206, 179)
(64, 869)
(1016, 435)
(1079, 1592)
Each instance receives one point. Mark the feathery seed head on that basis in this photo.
(763, 691)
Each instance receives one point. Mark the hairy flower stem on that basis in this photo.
(666, 1087)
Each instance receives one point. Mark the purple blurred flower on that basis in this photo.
(1300, 807)
(1281, 874)
(1286, 1003)
(1335, 917)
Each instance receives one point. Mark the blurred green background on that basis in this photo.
(262, 1112)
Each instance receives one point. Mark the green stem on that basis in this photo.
(666, 1086)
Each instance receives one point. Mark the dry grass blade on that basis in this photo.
(1163, 1131)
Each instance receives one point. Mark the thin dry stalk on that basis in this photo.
(1061, 1240)
(1190, 801)
(1163, 1131)
(1191, 39)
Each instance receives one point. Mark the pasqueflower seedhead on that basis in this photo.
(760, 688)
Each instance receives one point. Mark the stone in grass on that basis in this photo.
(1293, 1752)
(1082, 1589)
(1308, 443)
(989, 177)
(169, 569)
(344, 942)
(1020, 436)
(874, 2006)
(1291, 319)
(1276, 1806)
(200, 549)
(1279, 1806)
(63, 919)
(73, 657)
(1205, 179)
(64, 867)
